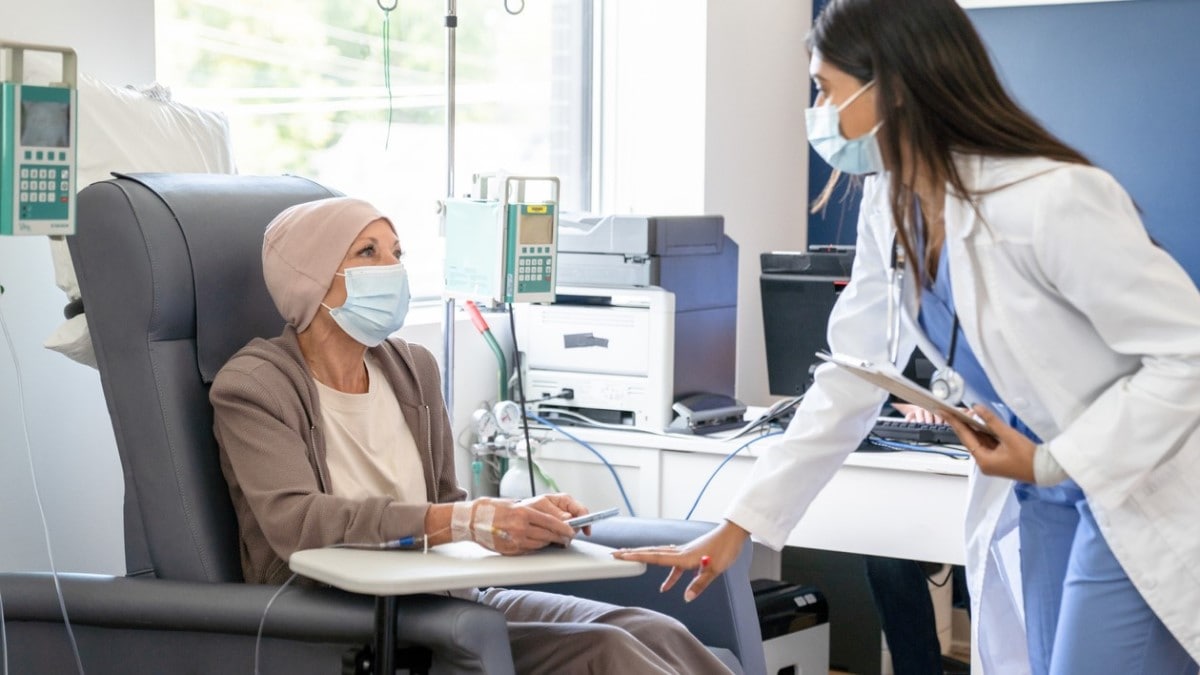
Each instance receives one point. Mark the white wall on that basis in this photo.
(756, 161)
(705, 114)
(73, 448)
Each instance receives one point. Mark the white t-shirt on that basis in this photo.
(370, 450)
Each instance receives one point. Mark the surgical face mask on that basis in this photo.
(376, 302)
(855, 156)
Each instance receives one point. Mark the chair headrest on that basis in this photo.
(222, 218)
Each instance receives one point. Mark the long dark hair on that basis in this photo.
(937, 93)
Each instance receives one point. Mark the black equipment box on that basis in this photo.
(787, 608)
(798, 292)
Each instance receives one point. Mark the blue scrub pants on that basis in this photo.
(1082, 613)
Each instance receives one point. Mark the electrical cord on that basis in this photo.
(3, 636)
(725, 461)
(768, 416)
(897, 445)
(771, 414)
(620, 485)
(512, 325)
(262, 622)
(62, 605)
(586, 421)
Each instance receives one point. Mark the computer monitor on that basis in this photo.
(799, 290)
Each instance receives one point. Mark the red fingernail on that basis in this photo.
(704, 561)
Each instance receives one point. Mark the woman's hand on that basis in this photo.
(512, 528)
(559, 505)
(1009, 454)
(711, 554)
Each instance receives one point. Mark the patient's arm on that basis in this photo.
(506, 526)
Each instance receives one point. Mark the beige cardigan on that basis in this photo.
(266, 416)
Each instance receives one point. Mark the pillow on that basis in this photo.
(129, 130)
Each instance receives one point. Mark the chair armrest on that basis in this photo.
(723, 616)
(465, 636)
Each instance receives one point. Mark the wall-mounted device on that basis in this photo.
(501, 246)
(37, 146)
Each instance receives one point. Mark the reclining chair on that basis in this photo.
(170, 273)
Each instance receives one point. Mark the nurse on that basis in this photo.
(1026, 274)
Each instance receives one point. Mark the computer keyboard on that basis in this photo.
(896, 429)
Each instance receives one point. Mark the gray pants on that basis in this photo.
(561, 634)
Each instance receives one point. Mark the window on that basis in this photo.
(303, 84)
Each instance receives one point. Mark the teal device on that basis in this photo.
(500, 246)
(531, 251)
(37, 148)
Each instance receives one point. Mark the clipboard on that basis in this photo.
(891, 380)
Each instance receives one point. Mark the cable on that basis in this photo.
(725, 461)
(512, 325)
(620, 485)
(262, 622)
(62, 605)
(586, 421)
(387, 64)
(771, 414)
(3, 636)
(897, 445)
(583, 420)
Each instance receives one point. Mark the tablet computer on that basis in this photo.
(888, 378)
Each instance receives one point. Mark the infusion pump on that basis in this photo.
(37, 147)
(502, 244)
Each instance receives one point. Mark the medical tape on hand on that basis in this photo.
(482, 525)
(460, 521)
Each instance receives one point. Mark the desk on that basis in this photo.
(895, 504)
(386, 574)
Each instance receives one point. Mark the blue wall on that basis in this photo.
(1120, 81)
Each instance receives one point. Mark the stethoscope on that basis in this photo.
(946, 383)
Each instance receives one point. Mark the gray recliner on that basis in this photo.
(170, 273)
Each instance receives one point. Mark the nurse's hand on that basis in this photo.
(710, 554)
(915, 413)
(1009, 454)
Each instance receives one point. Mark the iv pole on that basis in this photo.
(448, 313)
(448, 309)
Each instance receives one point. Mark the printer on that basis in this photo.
(645, 315)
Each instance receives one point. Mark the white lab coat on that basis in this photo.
(1089, 333)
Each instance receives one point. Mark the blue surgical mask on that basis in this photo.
(376, 301)
(855, 156)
